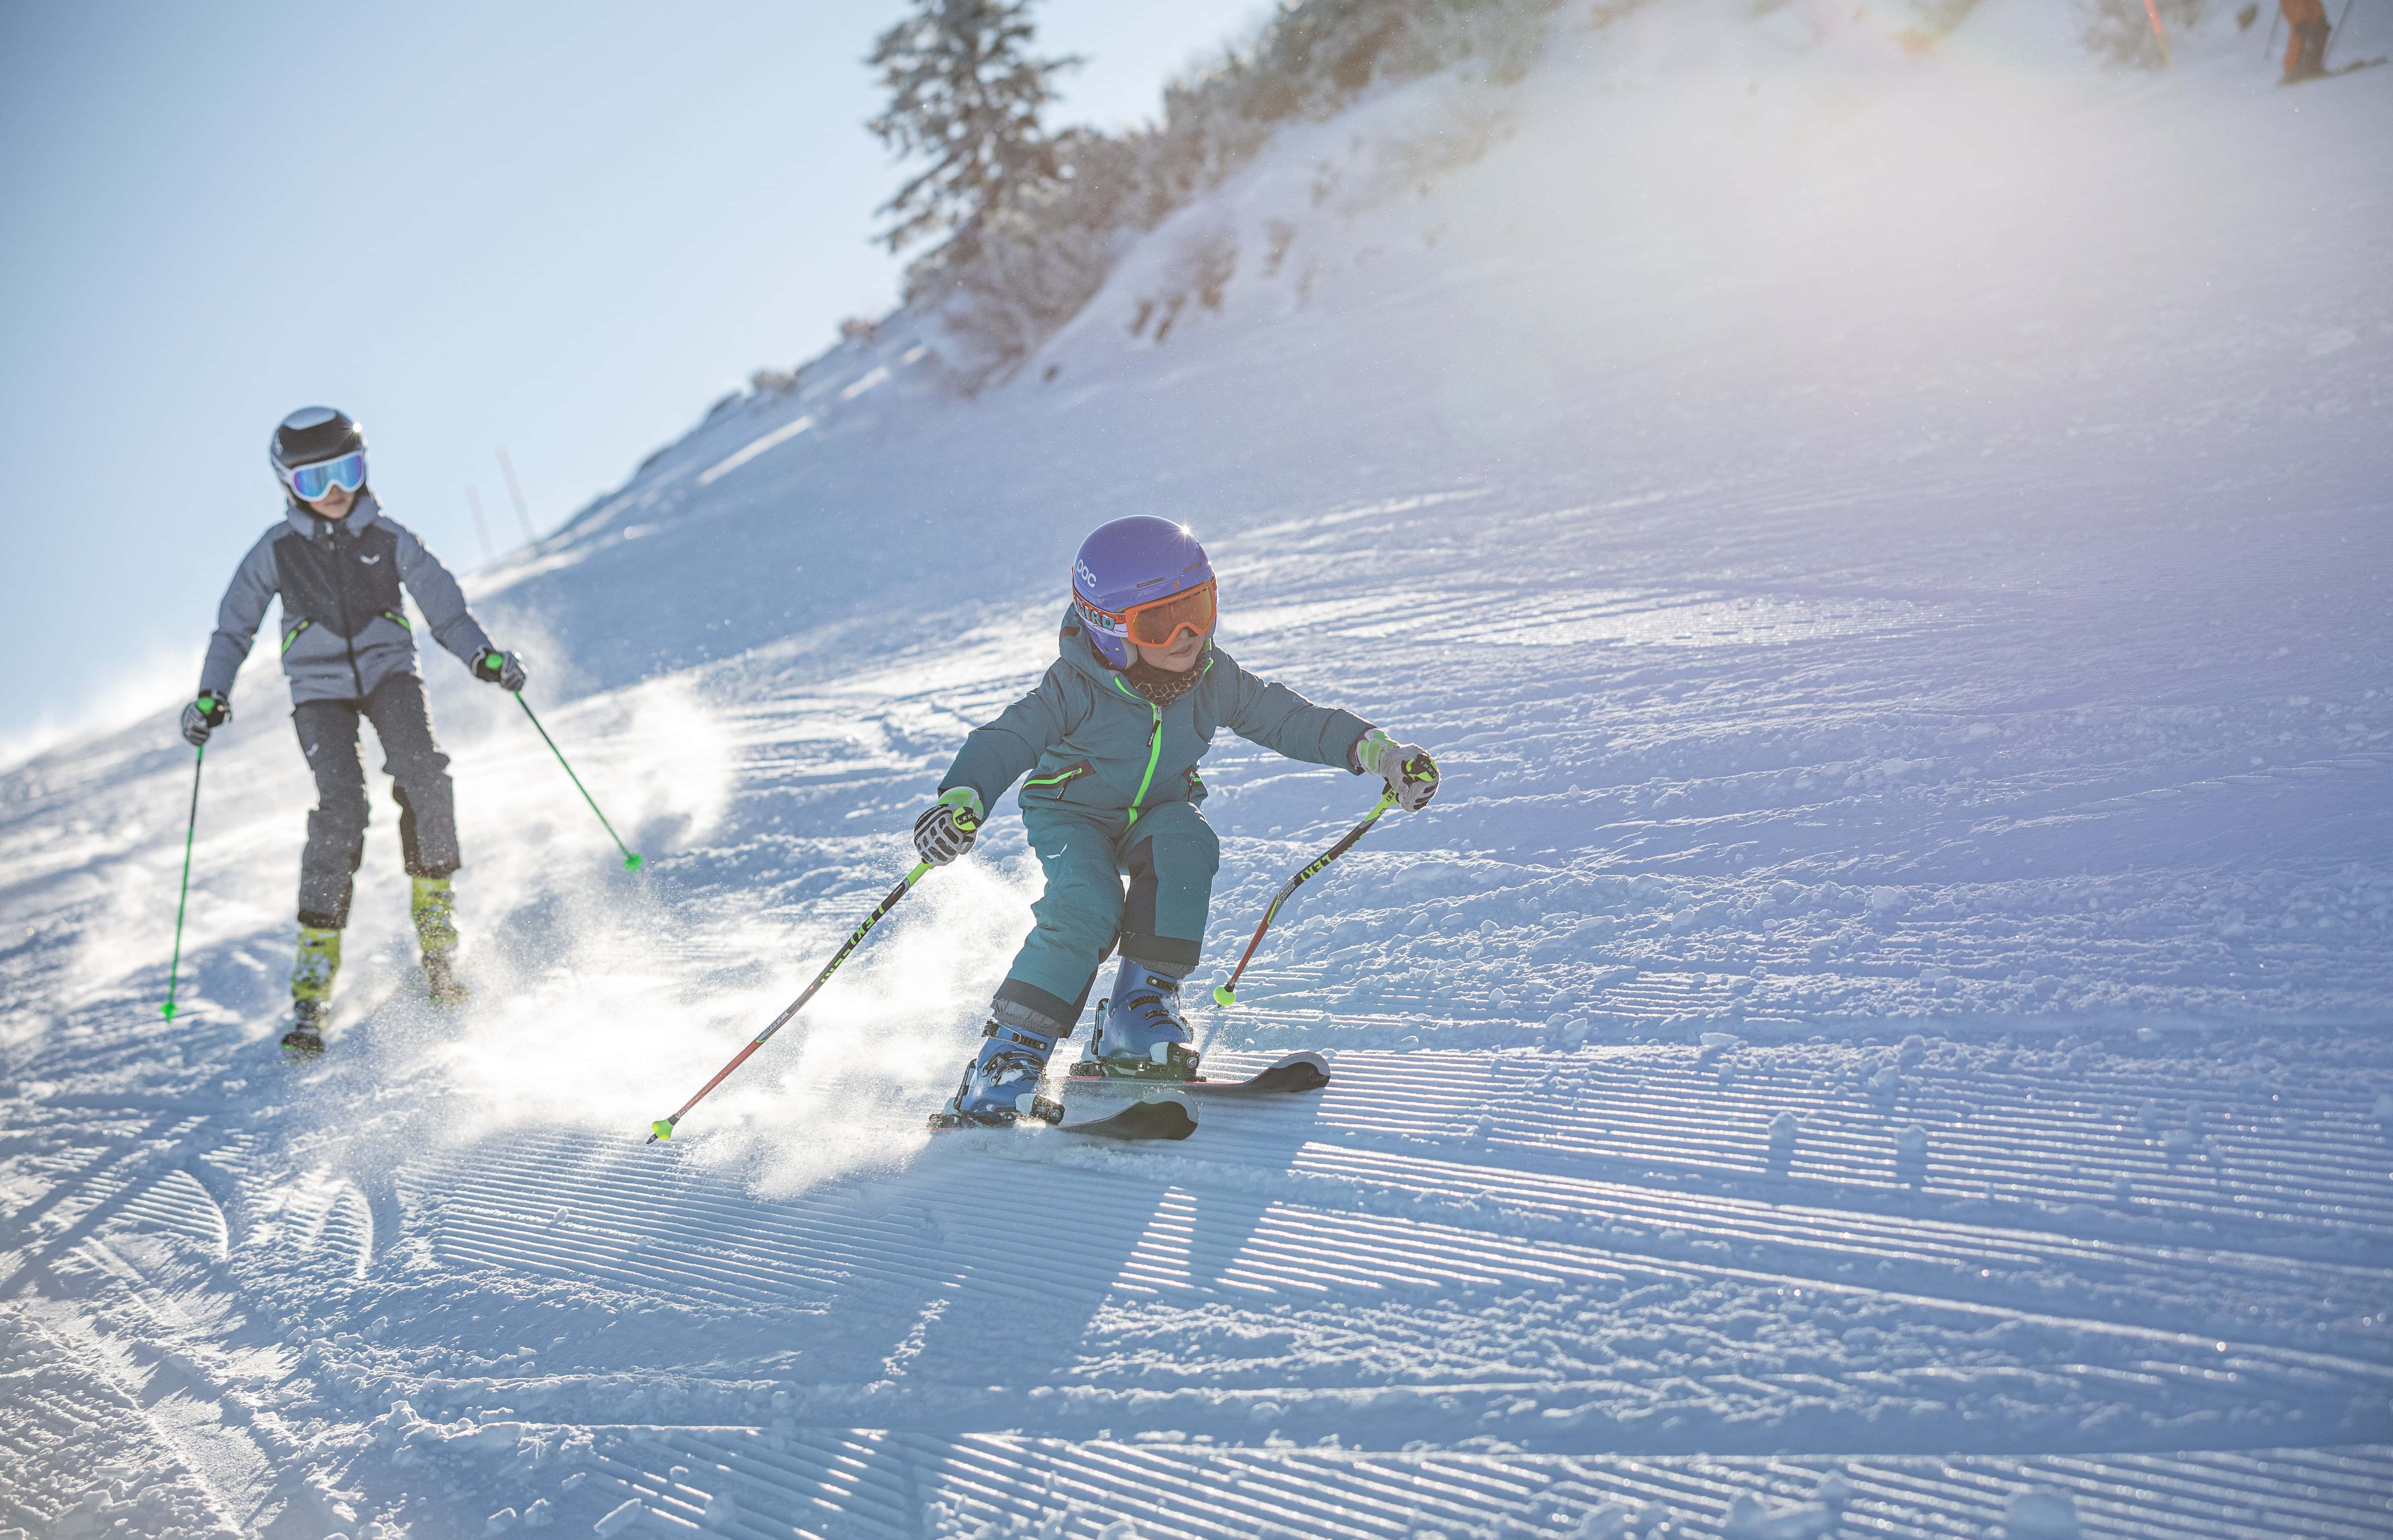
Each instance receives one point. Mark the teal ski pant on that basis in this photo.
(1145, 885)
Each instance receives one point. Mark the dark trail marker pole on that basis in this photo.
(481, 524)
(523, 514)
(663, 1126)
(631, 862)
(174, 969)
(1228, 993)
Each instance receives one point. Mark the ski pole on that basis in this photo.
(174, 969)
(2332, 33)
(663, 1126)
(1227, 994)
(2152, 12)
(631, 862)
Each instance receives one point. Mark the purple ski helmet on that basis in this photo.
(1124, 568)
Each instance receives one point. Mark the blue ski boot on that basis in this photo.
(1002, 1085)
(1139, 1034)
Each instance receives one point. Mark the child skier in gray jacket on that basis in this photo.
(338, 563)
(1110, 739)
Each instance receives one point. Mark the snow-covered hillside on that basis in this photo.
(1886, 1031)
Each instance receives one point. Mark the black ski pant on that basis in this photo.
(419, 777)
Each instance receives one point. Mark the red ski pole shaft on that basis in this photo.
(663, 1126)
(1228, 993)
(2152, 14)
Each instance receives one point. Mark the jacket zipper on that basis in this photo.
(341, 597)
(1071, 772)
(1154, 749)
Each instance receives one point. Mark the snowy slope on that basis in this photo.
(1892, 552)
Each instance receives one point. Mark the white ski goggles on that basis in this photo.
(314, 483)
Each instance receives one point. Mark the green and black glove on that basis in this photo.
(503, 669)
(204, 716)
(949, 827)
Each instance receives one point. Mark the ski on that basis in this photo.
(1140, 1120)
(1293, 1074)
(1137, 1123)
(2329, 74)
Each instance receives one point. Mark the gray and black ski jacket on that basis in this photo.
(344, 627)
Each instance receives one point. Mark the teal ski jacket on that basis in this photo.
(1088, 739)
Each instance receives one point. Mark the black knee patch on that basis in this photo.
(1164, 954)
(1054, 1008)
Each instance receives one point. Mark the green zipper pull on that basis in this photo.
(1154, 747)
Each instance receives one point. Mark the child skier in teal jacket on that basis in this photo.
(1110, 740)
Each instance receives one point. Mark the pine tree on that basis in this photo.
(964, 92)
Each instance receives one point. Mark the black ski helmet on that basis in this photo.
(309, 437)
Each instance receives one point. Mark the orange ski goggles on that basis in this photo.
(1159, 622)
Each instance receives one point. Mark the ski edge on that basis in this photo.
(1150, 1119)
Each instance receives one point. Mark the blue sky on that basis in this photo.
(562, 228)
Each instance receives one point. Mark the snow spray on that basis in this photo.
(663, 1126)
(630, 861)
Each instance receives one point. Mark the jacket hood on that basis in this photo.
(361, 517)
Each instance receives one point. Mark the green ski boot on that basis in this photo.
(433, 906)
(313, 967)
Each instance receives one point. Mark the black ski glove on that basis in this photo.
(503, 669)
(204, 716)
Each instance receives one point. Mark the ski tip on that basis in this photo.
(1298, 1072)
(1224, 995)
(660, 1128)
(632, 862)
(1155, 1117)
(1165, 1117)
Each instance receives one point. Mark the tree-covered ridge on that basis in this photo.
(1033, 221)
